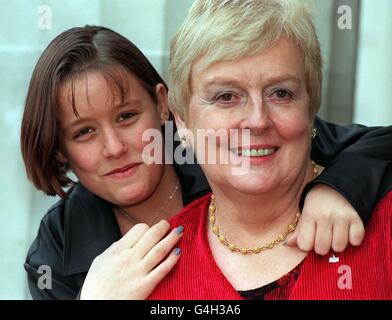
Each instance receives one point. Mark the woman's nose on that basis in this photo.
(256, 116)
(113, 145)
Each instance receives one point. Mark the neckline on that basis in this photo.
(283, 280)
(218, 272)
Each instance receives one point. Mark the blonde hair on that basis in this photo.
(221, 30)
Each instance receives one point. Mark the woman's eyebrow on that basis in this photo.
(279, 79)
(222, 81)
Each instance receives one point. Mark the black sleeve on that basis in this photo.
(358, 163)
(46, 253)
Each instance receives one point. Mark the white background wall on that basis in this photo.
(373, 99)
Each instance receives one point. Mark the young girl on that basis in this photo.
(91, 97)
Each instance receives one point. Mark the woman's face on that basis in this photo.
(104, 145)
(265, 93)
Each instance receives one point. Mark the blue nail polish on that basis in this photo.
(179, 230)
(177, 251)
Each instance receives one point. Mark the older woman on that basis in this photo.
(256, 65)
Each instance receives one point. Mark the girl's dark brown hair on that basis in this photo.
(71, 54)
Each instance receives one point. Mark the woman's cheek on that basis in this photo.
(294, 126)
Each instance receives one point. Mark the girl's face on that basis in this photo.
(103, 144)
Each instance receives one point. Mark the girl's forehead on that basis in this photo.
(93, 88)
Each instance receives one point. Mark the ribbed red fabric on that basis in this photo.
(197, 276)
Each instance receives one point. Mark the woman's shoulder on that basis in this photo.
(192, 213)
(384, 207)
(386, 202)
(380, 224)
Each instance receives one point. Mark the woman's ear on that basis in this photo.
(163, 106)
(180, 123)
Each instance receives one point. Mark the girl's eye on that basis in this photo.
(126, 116)
(82, 132)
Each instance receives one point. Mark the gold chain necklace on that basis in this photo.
(281, 237)
(132, 220)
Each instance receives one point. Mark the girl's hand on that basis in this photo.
(327, 220)
(132, 267)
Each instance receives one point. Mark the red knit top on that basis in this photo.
(363, 272)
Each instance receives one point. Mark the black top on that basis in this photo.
(76, 230)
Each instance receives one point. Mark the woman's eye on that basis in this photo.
(125, 116)
(82, 132)
(282, 94)
(227, 98)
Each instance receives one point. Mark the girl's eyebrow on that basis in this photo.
(79, 120)
(127, 103)
(121, 104)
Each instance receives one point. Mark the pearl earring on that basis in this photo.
(313, 132)
(185, 142)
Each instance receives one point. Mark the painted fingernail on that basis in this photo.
(179, 230)
(177, 251)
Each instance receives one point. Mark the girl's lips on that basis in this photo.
(124, 172)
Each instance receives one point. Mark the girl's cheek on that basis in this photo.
(136, 137)
(83, 157)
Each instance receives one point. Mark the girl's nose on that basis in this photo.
(114, 147)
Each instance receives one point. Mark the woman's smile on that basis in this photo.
(254, 154)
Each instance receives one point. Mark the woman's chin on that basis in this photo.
(252, 187)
